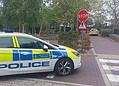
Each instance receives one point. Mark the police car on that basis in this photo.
(22, 53)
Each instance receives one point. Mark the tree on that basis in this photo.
(21, 13)
(66, 10)
(112, 9)
(96, 12)
(41, 14)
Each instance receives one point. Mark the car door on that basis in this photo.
(8, 65)
(33, 58)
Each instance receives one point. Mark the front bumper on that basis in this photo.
(77, 63)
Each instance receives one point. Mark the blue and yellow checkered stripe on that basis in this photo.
(6, 55)
(23, 55)
(16, 55)
(30, 55)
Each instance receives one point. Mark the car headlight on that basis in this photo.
(75, 53)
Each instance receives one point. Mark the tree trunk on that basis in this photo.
(41, 26)
(46, 27)
(19, 28)
(23, 28)
(32, 30)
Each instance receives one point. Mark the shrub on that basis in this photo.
(106, 32)
(84, 42)
(74, 40)
(116, 31)
(68, 39)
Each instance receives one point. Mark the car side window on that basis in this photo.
(6, 42)
(30, 43)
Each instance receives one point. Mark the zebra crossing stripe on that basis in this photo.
(112, 68)
(105, 67)
(112, 77)
(109, 61)
(115, 68)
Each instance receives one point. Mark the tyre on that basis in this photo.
(64, 67)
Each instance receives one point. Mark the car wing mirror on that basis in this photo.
(45, 48)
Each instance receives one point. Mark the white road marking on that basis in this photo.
(105, 78)
(109, 61)
(108, 55)
(115, 68)
(105, 67)
(112, 68)
(113, 78)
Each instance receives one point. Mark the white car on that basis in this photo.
(93, 32)
(22, 53)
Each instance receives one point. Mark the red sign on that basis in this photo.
(82, 18)
(82, 27)
(83, 15)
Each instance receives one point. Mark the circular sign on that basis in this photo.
(83, 15)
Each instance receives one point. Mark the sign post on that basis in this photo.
(82, 18)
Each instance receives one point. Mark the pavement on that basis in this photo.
(35, 82)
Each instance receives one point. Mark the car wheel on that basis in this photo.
(64, 67)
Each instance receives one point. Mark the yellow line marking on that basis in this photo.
(17, 42)
(14, 41)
